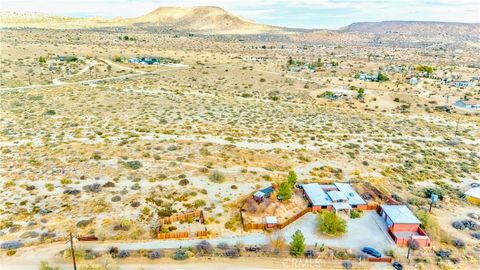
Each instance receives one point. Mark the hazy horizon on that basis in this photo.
(309, 14)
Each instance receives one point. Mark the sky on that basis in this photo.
(330, 14)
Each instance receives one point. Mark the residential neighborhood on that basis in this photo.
(265, 135)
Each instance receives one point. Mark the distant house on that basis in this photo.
(368, 77)
(473, 195)
(468, 104)
(339, 196)
(464, 84)
(262, 194)
(67, 58)
(413, 81)
(403, 225)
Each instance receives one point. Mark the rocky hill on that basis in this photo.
(414, 27)
(204, 19)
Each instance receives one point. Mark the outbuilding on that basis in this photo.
(403, 225)
(468, 104)
(473, 195)
(271, 222)
(262, 194)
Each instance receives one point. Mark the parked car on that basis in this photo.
(310, 253)
(253, 249)
(397, 265)
(371, 251)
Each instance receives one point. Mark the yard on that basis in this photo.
(369, 230)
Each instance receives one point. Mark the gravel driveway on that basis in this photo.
(369, 230)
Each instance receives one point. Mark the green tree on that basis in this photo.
(361, 93)
(430, 224)
(331, 224)
(290, 61)
(297, 246)
(285, 191)
(292, 178)
(382, 77)
(422, 68)
(42, 60)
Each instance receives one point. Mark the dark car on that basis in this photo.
(310, 253)
(252, 249)
(397, 265)
(371, 251)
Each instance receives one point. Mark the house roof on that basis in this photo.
(316, 195)
(271, 219)
(400, 214)
(267, 190)
(471, 102)
(353, 197)
(337, 195)
(263, 192)
(341, 206)
(258, 194)
(473, 192)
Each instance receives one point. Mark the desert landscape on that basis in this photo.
(149, 138)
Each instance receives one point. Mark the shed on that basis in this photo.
(403, 225)
(399, 217)
(260, 195)
(473, 195)
(271, 221)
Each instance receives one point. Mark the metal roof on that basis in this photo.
(473, 192)
(341, 206)
(271, 219)
(337, 196)
(316, 195)
(353, 197)
(400, 214)
(267, 190)
(258, 194)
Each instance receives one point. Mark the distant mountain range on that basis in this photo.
(215, 20)
(413, 27)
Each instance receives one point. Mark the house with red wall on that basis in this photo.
(403, 225)
(338, 196)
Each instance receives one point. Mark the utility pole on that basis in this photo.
(456, 128)
(409, 243)
(72, 251)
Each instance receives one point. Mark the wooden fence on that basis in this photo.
(87, 238)
(383, 259)
(292, 219)
(173, 235)
(201, 233)
(183, 217)
(253, 226)
(372, 207)
(183, 234)
(261, 226)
